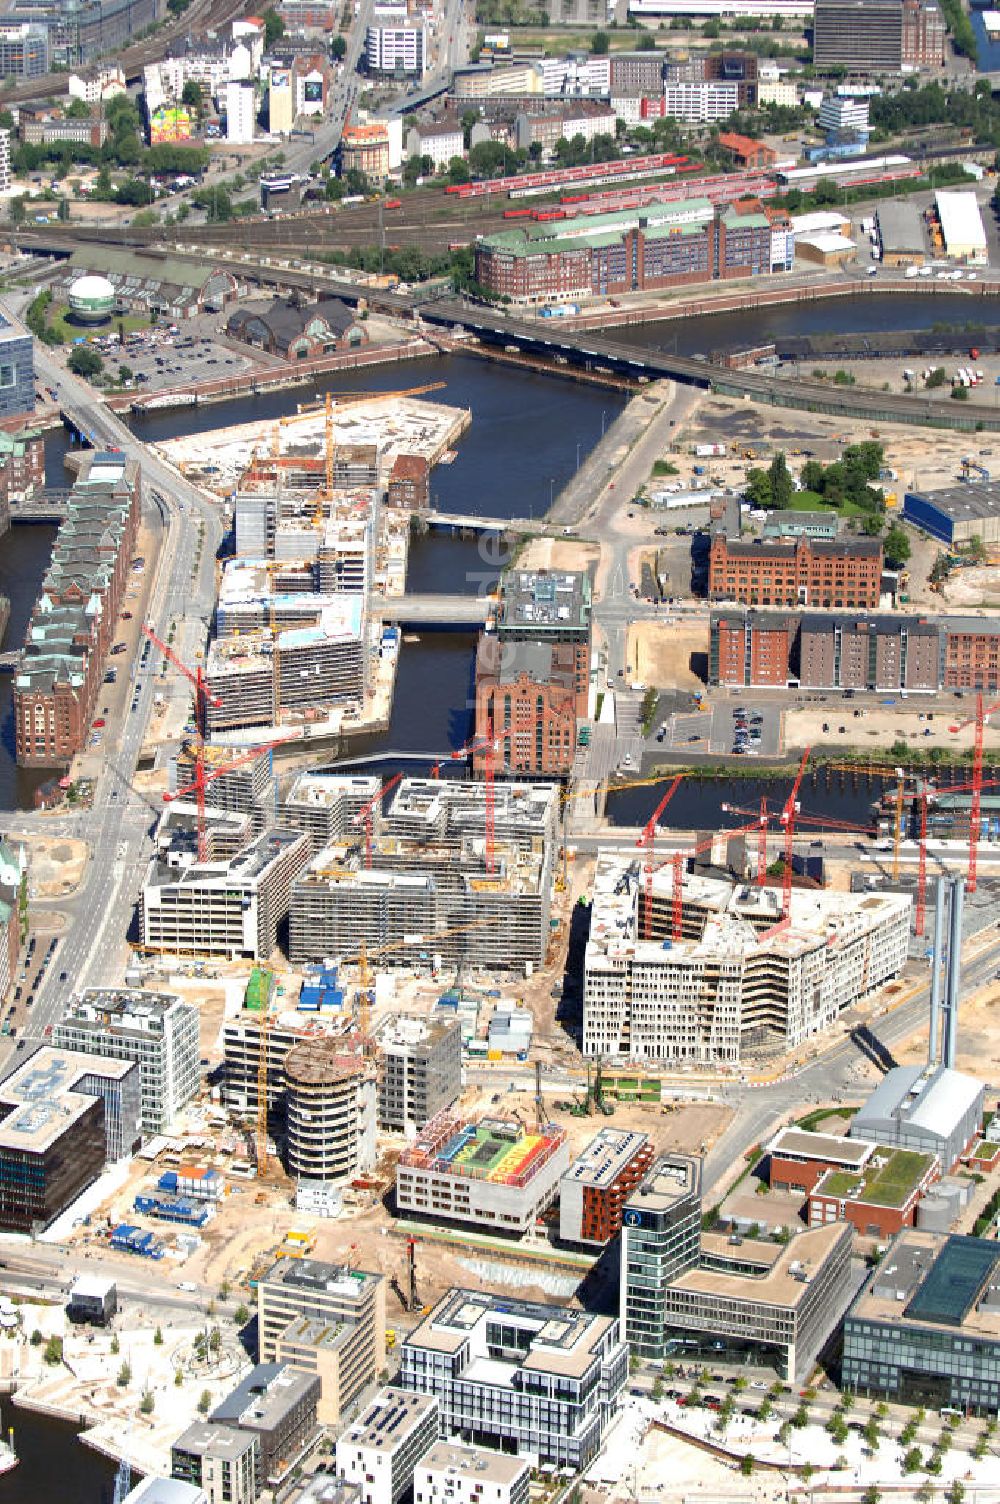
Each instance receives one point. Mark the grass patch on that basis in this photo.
(60, 321)
(811, 501)
(886, 1186)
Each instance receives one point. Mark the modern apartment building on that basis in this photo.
(845, 573)
(751, 647)
(658, 246)
(869, 652)
(879, 36)
(155, 1029)
(396, 50)
(731, 984)
(431, 876)
(381, 1450)
(924, 1330)
(62, 1118)
(74, 621)
(593, 1191)
(516, 1375)
(451, 1473)
(419, 1069)
(222, 908)
(295, 1293)
(685, 1292)
(831, 650)
(491, 1174)
(277, 1404)
(222, 1460)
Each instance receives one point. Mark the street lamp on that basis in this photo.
(552, 486)
(578, 454)
(604, 418)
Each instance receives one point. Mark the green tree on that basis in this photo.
(157, 1335)
(53, 1351)
(17, 210)
(63, 210)
(746, 1465)
(600, 44)
(871, 1495)
(274, 27)
(759, 489)
(837, 1427)
(338, 47)
(124, 1376)
(912, 1460)
(85, 362)
(191, 96)
(896, 547)
(204, 1402)
(147, 1402)
(782, 485)
(116, 1346)
(458, 171)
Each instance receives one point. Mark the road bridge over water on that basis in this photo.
(440, 612)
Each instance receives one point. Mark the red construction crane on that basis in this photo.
(646, 841)
(762, 843)
(202, 699)
(788, 821)
(677, 861)
(246, 756)
(365, 813)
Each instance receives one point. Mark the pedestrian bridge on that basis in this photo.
(443, 612)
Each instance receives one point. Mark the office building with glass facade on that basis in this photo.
(696, 1295)
(925, 1330)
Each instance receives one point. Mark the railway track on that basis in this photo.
(202, 15)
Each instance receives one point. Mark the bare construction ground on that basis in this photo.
(56, 864)
(661, 652)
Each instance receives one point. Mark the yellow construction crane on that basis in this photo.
(262, 1093)
(309, 409)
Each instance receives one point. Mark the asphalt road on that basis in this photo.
(118, 826)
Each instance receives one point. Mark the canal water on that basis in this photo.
(53, 1465)
(527, 432)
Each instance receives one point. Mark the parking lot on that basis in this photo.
(170, 356)
(742, 730)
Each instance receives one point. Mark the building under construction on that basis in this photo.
(493, 1173)
(740, 980)
(283, 1032)
(247, 786)
(222, 907)
(419, 1069)
(329, 1112)
(255, 678)
(430, 887)
(325, 806)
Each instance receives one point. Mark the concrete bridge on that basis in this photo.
(440, 612)
(47, 506)
(470, 523)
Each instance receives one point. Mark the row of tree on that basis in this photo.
(843, 484)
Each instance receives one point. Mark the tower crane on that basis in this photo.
(227, 767)
(202, 699)
(365, 814)
(646, 841)
(788, 814)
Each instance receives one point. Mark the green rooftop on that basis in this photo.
(886, 1183)
(596, 231)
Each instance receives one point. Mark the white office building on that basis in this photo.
(396, 49)
(737, 979)
(540, 1380)
(241, 111)
(156, 1029)
(454, 1474)
(381, 1450)
(697, 103)
(843, 116)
